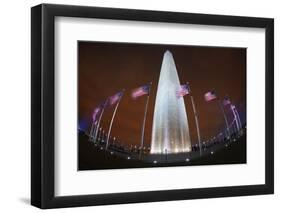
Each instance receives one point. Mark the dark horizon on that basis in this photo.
(106, 68)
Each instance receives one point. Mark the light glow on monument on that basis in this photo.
(170, 131)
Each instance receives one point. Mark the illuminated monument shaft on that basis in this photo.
(170, 132)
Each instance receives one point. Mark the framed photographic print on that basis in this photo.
(140, 106)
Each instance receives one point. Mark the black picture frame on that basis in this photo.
(43, 117)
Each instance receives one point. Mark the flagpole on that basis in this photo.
(235, 118)
(90, 133)
(98, 125)
(91, 130)
(225, 119)
(94, 130)
(111, 122)
(238, 116)
(143, 123)
(236, 121)
(196, 120)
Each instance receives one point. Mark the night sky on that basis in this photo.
(106, 68)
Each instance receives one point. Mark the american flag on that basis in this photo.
(232, 107)
(115, 98)
(140, 91)
(98, 109)
(209, 96)
(95, 113)
(104, 104)
(226, 101)
(184, 90)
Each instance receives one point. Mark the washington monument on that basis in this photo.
(170, 131)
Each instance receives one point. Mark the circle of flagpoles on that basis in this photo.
(98, 134)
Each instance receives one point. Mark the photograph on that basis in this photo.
(157, 105)
(149, 105)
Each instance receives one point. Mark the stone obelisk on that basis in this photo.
(170, 131)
